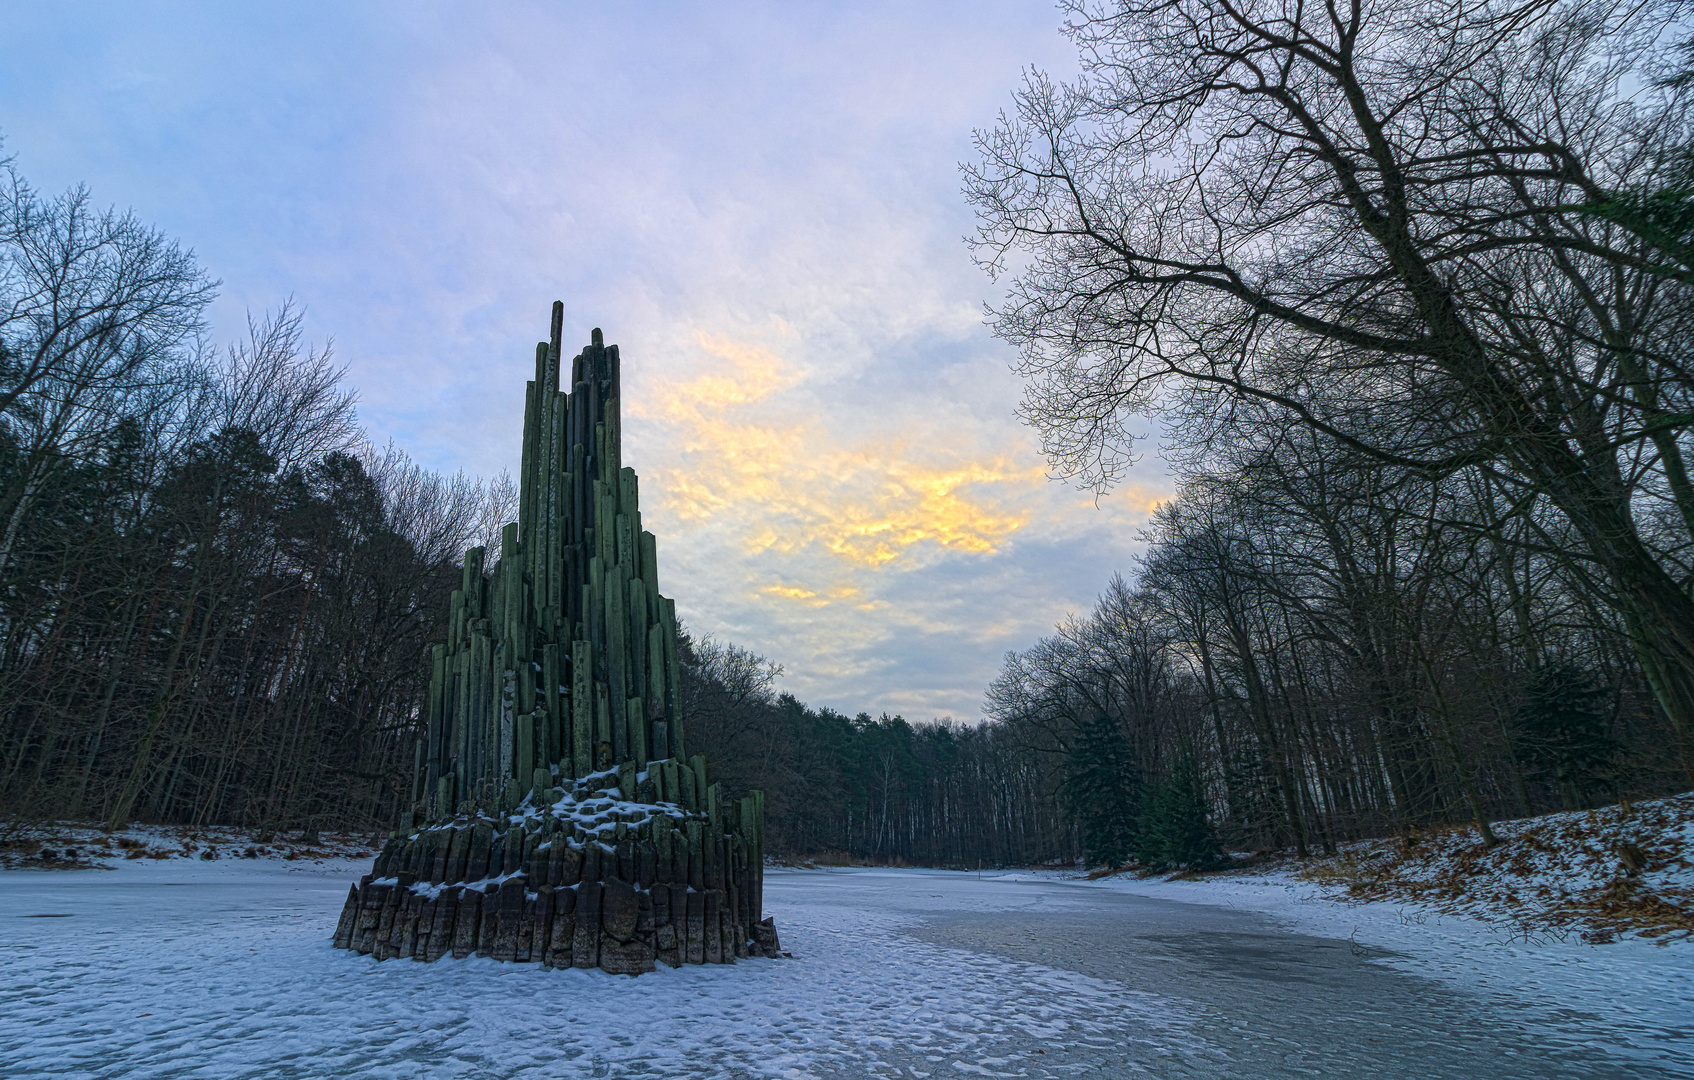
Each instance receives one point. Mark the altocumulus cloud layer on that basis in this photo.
(759, 203)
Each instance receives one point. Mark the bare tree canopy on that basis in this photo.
(88, 298)
(98, 319)
(1394, 223)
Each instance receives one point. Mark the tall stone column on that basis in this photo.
(562, 823)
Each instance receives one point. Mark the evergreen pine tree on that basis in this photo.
(1563, 731)
(1174, 827)
(1101, 792)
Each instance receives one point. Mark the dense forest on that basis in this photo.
(213, 593)
(1416, 320)
(1412, 290)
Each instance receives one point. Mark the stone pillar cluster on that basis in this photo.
(562, 822)
(562, 657)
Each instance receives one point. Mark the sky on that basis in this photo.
(759, 203)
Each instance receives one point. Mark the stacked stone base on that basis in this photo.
(610, 924)
(584, 876)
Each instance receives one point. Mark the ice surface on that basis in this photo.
(1633, 996)
(182, 968)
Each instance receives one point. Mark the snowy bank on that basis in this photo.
(68, 845)
(1617, 870)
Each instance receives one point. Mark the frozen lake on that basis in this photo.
(180, 968)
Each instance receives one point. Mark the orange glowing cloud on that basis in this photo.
(788, 482)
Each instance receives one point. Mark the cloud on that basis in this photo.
(743, 448)
(886, 544)
(758, 202)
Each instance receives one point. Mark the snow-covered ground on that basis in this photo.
(222, 968)
(1615, 871)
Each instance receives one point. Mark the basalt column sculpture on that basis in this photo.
(558, 818)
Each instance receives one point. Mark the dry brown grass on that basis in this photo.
(1616, 870)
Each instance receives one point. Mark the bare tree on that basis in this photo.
(98, 314)
(1369, 217)
(288, 394)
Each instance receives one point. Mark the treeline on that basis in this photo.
(214, 595)
(1341, 653)
(1412, 290)
(884, 789)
